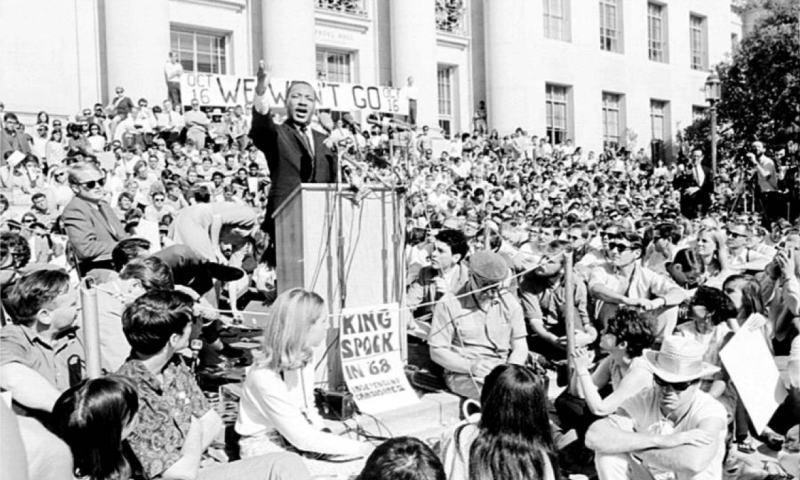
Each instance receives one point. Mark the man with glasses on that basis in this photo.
(672, 427)
(696, 186)
(39, 141)
(739, 252)
(478, 328)
(118, 110)
(91, 224)
(623, 281)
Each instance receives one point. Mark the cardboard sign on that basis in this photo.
(369, 344)
(754, 373)
(228, 90)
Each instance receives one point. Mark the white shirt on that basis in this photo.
(173, 71)
(286, 404)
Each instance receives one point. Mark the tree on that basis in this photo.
(761, 82)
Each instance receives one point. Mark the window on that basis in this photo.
(656, 32)
(612, 120)
(697, 38)
(334, 66)
(451, 16)
(659, 129)
(610, 26)
(444, 76)
(556, 20)
(350, 7)
(734, 42)
(200, 52)
(556, 108)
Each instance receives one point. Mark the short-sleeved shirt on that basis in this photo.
(21, 344)
(460, 325)
(540, 300)
(643, 283)
(165, 412)
(641, 414)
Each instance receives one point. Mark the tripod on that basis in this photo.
(744, 192)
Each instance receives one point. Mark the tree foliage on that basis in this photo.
(761, 82)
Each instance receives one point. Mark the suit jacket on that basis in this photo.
(123, 107)
(290, 163)
(698, 202)
(93, 232)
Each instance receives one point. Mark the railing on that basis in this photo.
(349, 7)
(451, 17)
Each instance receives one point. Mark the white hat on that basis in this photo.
(679, 360)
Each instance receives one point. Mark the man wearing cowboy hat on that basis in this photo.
(672, 427)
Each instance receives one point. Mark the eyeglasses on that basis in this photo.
(678, 386)
(27, 220)
(736, 235)
(609, 234)
(158, 199)
(621, 247)
(91, 184)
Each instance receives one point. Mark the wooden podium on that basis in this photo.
(370, 263)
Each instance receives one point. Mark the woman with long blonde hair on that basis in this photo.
(713, 251)
(276, 410)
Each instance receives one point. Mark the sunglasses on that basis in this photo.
(678, 387)
(621, 247)
(91, 184)
(736, 235)
(27, 220)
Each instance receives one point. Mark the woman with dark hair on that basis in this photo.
(403, 458)
(43, 118)
(95, 418)
(512, 439)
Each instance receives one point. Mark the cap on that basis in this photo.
(488, 266)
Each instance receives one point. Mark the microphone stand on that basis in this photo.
(340, 231)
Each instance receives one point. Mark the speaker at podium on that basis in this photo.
(352, 260)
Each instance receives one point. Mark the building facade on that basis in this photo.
(623, 72)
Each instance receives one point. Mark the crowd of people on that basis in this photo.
(168, 212)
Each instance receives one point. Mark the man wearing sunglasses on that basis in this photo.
(672, 427)
(623, 281)
(92, 226)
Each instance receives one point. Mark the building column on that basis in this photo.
(137, 45)
(513, 97)
(289, 46)
(413, 25)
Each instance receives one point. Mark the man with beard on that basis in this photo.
(295, 153)
(543, 296)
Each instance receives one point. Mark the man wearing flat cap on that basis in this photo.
(672, 427)
(479, 327)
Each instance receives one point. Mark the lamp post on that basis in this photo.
(713, 92)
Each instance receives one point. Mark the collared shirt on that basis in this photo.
(21, 344)
(165, 412)
(540, 300)
(459, 324)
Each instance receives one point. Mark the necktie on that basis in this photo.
(307, 168)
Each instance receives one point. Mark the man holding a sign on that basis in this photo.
(295, 153)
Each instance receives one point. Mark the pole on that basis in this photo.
(713, 142)
(569, 311)
(91, 331)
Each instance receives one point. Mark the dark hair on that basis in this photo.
(403, 458)
(10, 116)
(667, 230)
(515, 441)
(33, 291)
(456, 240)
(12, 243)
(153, 318)
(128, 249)
(90, 418)
(37, 196)
(152, 272)
(202, 195)
(752, 301)
(689, 260)
(715, 301)
(633, 328)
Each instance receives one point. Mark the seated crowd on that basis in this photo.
(159, 210)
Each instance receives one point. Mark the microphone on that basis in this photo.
(348, 121)
(387, 123)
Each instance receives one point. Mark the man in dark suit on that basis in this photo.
(696, 185)
(295, 153)
(92, 226)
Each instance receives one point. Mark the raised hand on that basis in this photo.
(262, 78)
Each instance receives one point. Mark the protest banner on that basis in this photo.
(369, 344)
(755, 375)
(227, 90)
